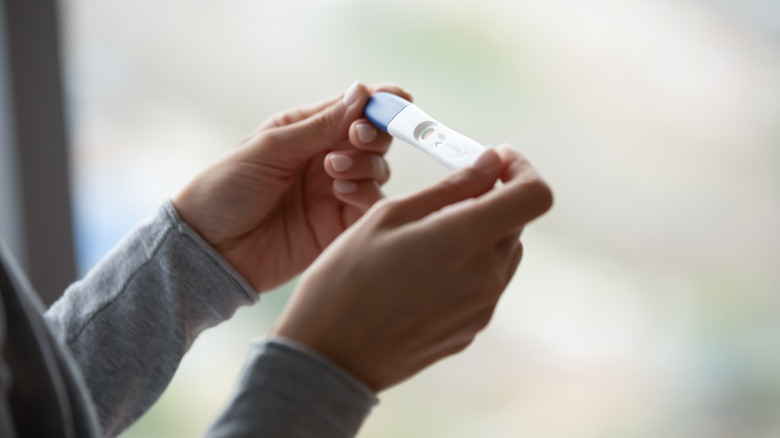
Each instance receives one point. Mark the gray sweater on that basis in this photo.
(110, 346)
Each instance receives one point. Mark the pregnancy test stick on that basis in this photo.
(403, 119)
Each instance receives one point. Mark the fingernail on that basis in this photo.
(352, 93)
(340, 163)
(486, 162)
(343, 186)
(366, 133)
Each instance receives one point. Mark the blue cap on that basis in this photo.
(382, 108)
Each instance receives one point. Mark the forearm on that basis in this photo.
(132, 318)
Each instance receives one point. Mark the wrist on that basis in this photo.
(329, 348)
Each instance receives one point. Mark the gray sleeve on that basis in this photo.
(131, 319)
(286, 391)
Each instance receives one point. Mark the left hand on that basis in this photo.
(272, 204)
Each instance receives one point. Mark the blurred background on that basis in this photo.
(648, 301)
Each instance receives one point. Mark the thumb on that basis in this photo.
(321, 130)
(466, 183)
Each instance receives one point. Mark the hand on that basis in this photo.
(277, 200)
(417, 278)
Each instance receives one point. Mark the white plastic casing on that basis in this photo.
(445, 145)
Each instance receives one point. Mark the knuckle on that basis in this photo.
(381, 168)
(271, 137)
(321, 124)
(454, 184)
(462, 345)
(324, 124)
(540, 196)
(483, 320)
(464, 177)
(283, 119)
(384, 210)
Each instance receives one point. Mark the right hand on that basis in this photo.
(413, 281)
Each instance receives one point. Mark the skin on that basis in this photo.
(397, 284)
(269, 206)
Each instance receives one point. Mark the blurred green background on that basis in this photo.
(648, 302)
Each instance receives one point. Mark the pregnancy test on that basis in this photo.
(403, 119)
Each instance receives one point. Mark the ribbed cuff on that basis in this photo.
(187, 232)
(288, 392)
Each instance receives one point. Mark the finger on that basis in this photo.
(523, 197)
(299, 113)
(464, 184)
(390, 87)
(524, 186)
(318, 132)
(357, 165)
(361, 194)
(365, 136)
